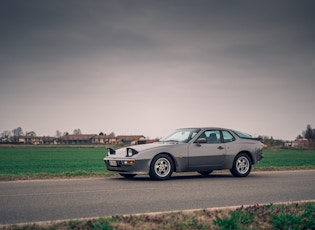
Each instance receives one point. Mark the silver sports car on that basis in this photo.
(187, 150)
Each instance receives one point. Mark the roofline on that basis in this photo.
(217, 128)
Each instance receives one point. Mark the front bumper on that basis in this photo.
(127, 165)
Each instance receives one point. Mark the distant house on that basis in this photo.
(131, 139)
(80, 139)
(151, 141)
(300, 143)
(104, 139)
(77, 139)
(35, 140)
(49, 140)
(4, 140)
(288, 144)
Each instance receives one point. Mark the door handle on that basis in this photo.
(220, 147)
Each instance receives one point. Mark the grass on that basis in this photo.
(34, 163)
(287, 159)
(22, 163)
(272, 216)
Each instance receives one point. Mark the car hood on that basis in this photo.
(152, 145)
(140, 148)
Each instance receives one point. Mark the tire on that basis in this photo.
(242, 165)
(129, 176)
(161, 167)
(205, 173)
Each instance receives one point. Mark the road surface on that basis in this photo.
(45, 200)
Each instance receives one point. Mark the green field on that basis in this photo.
(287, 159)
(49, 162)
(23, 163)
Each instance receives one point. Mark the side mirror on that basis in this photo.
(201, 141)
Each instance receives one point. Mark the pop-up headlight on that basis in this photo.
(110, 151)
(131, 152)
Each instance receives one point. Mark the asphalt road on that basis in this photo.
(44, 200)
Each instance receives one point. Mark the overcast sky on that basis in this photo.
(148, 67)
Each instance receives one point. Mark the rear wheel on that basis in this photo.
(161, 167)
(242, 165)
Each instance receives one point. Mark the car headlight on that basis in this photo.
(110, 151)
(131, 152)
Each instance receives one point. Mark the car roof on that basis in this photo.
(217, 128)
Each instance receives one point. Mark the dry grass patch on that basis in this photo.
(272, 216)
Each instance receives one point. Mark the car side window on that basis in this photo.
(227, 136)
(209, 137)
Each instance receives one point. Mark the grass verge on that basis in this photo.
(271, 216)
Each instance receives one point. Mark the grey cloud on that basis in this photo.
(158, 60)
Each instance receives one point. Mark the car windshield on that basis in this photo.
(242, 135)
(181, 135)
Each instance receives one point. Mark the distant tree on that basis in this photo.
(58, 133)
(309, 134)
(112, 134)
(65, 134)
(30, 134)
(101, 134)
(17, 133)
(6, 134)
(77, 132)
(271, 142)
(299, 137)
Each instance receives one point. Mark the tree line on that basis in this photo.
(308, 134)
(14, 134)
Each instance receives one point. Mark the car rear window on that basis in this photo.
(227, 136)
(242, 135)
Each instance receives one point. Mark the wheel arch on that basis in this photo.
(170, 155)
(241, 168)
(248, 154)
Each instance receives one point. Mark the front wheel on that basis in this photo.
(161, 167)
(242, 165)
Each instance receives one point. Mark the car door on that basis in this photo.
(206, 151)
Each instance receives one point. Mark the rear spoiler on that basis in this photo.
(252, 138)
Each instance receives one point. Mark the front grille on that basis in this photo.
(119, 163)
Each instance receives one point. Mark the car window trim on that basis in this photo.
(230, 134)
(221, 137)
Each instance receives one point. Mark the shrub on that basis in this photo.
(238, 220)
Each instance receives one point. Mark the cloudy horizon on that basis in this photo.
(148, 67)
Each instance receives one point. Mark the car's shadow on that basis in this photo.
(183, 176)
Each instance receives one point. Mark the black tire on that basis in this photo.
(242, 165)
(161, 167)
(129, 176)
(205, 173)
